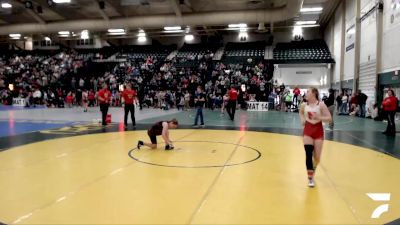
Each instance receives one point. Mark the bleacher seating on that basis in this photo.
(38, 55)
(190, 55)
(310, 51)
(241, 52)
(96, 53)
(141, 52)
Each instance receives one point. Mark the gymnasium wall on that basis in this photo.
(367, 81)
(302, 74)
(281, 36)
(391, 37)
(374, 59)
(368, 32)
(349, 55)
(337, 42)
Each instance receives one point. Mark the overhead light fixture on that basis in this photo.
(297, 31)
(243, 35)
(63, 32)
(141, 33)
(243, 29)
(142, 39)
(238, 25)
(116, 31)
(6, 5)
(61, 1)
(173, 28)
(312, 9)
(47, 39)
(63, 35)
(173, 31)
(28, 5)
(189, 37)
(308, 22)
(15, 35)
(85, 34)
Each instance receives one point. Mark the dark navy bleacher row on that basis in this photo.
(191, 55)
(310, 51)
(242, 52)
(134, 52)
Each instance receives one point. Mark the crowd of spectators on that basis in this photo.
(58, 79)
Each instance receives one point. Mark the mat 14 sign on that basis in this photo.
(257, 106)
(19, 102)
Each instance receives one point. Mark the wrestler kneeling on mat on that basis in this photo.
(312, 114)
(160, 128)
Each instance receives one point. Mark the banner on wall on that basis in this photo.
(394, 12)
(20, 102)
(257, 106)
(350, 37)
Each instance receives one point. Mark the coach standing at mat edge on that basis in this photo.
(231, 106)
(129, 98)
(104, 98)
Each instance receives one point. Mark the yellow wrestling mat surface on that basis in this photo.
(212, 177)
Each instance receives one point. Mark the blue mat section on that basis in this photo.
(10, 128)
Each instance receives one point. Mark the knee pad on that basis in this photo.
(309, 156)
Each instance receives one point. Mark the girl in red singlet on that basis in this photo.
(312, 114)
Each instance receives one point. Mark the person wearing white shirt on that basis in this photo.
(37, 95)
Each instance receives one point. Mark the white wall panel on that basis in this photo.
(301, 75)
(391, 36)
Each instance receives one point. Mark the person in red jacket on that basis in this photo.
(129, 99)
(389, 106)
(69, 99)
(104, 98)
(231, 106)
(296, 93)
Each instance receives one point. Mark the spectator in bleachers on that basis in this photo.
(345, 102)
(69, 99)
(288, 97)
(91, 98)
(362, 101)
(85, 100)
(199, 101)
(330, 103)
(339, 103)
(187, 99)
(296, 93)
(353, 104)
(37, 97)
(390, 105)
(373, 111)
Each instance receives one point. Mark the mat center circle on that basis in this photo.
(197, 154)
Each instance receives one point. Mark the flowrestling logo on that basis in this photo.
(379, 197)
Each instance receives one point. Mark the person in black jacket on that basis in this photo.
(199, 100)
(330, 103)
(362, 100)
